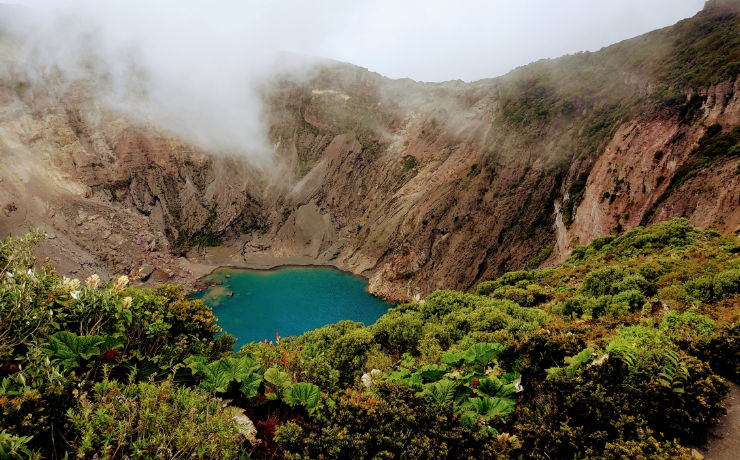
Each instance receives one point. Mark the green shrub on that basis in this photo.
(652, 271)
(320, 340)
(599, 408)
(162, 317)
(583, 306)
(442, 387)
(637, 345)
(628, 301)
(723, 352)
(444, 302)
(701, 288)
(689, 322)
(391, 422)
(319, 371)
(12, 446)
(24, 293)
(39, 415)
(16, 253)
(675, 234)
(397, 331)
(348, 353)
(603, 281)
(727, 283)
(526, 297)
(409, 163)
(513, 279)
(154, 420)
(636, 283)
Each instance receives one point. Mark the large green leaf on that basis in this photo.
(511, 377)
(227, 375)
(235, 369)
(441, 392)
(279, 380)
(489, 408)
(432, 372)
(406, 377)
(479, 353)
(574, 364)
(250, 385)
(70, 350)
(198, 364)
(216, 382)
(483, 353)
(305, 394)
(455, 359)
(491, 386)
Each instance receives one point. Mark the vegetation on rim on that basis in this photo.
(621, 351)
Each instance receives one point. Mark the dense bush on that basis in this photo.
(674, 234)
(583, 306)
(389, 422)
(59, 335)
(727, 283)
(615, 353)
(144, 420)
(522, 278)
(528, 296)
(456, 317)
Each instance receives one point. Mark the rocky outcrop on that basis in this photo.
(641, 159)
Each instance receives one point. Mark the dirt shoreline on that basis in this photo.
(280, 267)
(206, 265)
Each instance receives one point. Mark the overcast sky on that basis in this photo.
(196, 68)
(429, 40)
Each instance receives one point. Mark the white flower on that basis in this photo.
(121, 283)
(70, 284)
(8, 274)
(370, 377)
(92, 281)
(518, 385)
(74, 294)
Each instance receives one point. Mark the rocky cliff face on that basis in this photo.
(417, 186)
(627, 182)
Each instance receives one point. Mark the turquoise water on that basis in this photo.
(288, 301)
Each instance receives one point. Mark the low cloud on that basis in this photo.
(190, 70)
(195, 67)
